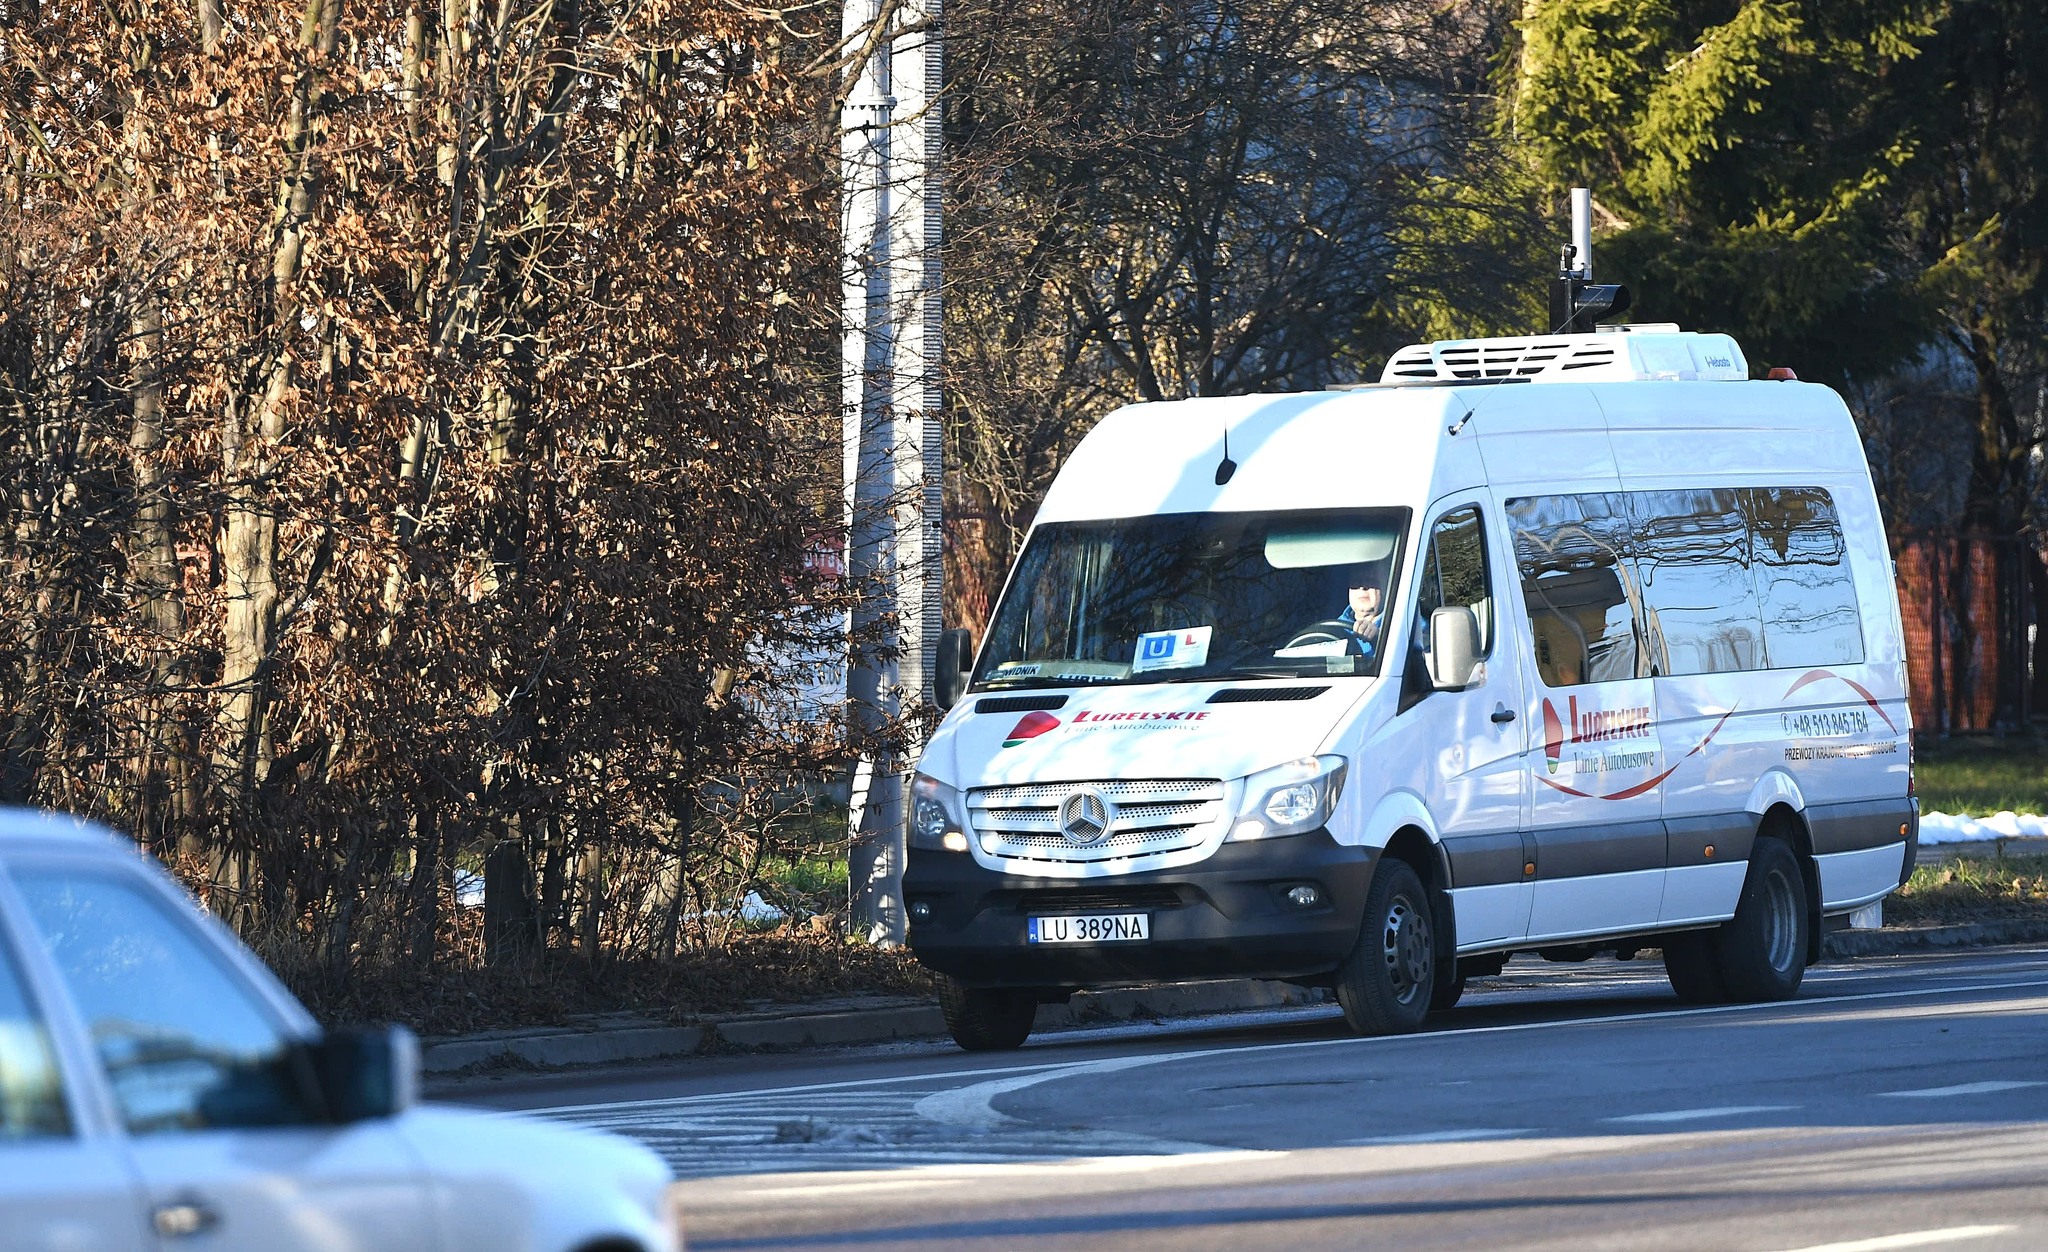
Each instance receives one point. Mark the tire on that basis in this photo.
(986, 1019)
(1761, 952)
(1447, 994)
(1385, 986)
(1690, 963)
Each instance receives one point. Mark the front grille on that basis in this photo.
(1100, 900)
(1152, 816)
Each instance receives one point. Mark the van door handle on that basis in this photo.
(1502, 714)
(183, 1217)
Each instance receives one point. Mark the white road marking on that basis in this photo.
(846, 1188)
(1697, 1115)
(944, 1174)
(1911, 1239)
(973, 1106)
(1113, 1164)
(1960, 1089)
(1253, 1049)
(1436, 1136)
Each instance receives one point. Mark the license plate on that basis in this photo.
(1093, 928)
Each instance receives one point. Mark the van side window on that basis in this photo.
(1693, 550)
(1454, 573)
(1578, 585)
(1803, 583)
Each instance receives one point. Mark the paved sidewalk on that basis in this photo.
(613, 1038)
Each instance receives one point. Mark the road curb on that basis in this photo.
(811, 1028)
(1890, 942)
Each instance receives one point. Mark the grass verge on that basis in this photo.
(1957, 892)
(1978, 777)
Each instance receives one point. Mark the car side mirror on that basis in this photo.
(366, 1072)
(1453, 647)
(956, 664)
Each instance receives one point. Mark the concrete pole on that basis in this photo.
(889, 150)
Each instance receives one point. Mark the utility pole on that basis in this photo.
(890, 220)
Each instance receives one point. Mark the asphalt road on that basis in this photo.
(1900, 1102)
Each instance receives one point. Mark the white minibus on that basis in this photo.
(1563, 645)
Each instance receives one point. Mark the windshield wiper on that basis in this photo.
(1274, 671)
(1025, 681)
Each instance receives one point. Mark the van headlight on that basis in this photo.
(1290, 799)
(936, 816)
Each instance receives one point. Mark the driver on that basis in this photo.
(1363, 614)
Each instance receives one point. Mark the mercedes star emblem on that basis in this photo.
(1085, 816)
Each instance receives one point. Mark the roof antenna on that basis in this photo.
(1225, 467)
(1577, 303)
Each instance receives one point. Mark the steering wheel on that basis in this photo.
(1330, 630)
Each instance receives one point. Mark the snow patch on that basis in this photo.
(1946, 828)
(755, 909)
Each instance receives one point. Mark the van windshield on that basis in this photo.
(1190, 596)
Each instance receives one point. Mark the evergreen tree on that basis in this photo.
(1843, 184)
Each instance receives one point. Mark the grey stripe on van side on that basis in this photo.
(1615, 848)
(1677, 842)
(1854, 827)
(1485, 860)
(1686, 839)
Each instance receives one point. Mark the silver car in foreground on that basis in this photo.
(160, 1089)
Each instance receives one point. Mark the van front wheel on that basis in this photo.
(1385, 984)
(986, 1019)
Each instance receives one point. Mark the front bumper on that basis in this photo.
(1225, 917)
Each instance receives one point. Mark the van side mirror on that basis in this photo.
(366, 1072)
(1453, 647)
(956, 665)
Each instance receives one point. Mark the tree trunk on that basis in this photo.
(1995, 506)
(509, 921)
(2037, 583)
(424, 889)
(250, 434)
(162, 753)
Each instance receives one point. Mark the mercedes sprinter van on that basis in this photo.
(1567, 644)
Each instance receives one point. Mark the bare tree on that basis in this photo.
(1199, 199)
(417, 428)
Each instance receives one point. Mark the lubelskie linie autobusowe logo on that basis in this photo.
(1594, 726)
(1030, 726)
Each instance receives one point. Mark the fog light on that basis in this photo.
(920, 911)
(1304, 896)
(954, 841)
